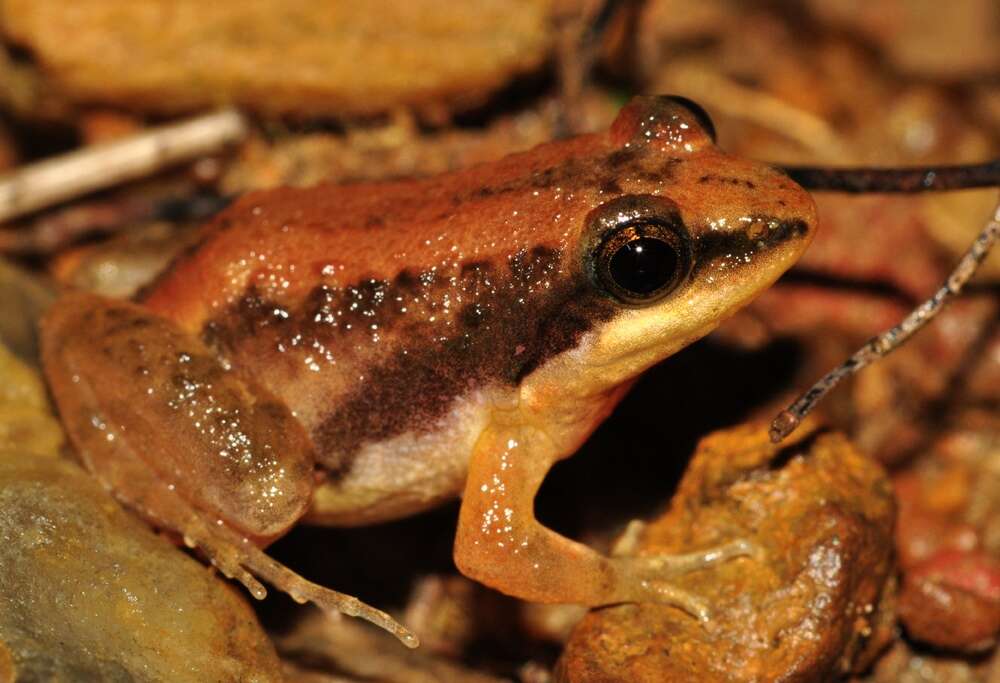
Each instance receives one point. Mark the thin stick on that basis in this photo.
(896, 180)
(790, 418)
(49, 182)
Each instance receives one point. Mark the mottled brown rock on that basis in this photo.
(282, 56)
(399, 148)
(948, 535)
(27, 424)
(24, 298)
(952, 601)
(343, 647)
(812, 604)
(91, 593)
(907, 663)
(918, 40)
(122, 265)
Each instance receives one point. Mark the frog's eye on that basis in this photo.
(641, 262)
(699, 114)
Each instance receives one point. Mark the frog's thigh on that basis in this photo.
(501, 544)
(130, 384)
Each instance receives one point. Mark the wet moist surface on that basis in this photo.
(503, 320)
(457, 285)
(856, 91)
(226, 445)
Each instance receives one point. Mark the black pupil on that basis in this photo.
(643, 265)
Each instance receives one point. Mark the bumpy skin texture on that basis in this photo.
(377, 311)
(450, 334)
(259, 477)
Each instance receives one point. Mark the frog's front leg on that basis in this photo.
(501, 544)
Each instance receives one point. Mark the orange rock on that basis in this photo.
(952, 601)
(813, 603)
(282, 56)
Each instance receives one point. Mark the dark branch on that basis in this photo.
(896, 180)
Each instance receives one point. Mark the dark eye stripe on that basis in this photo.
(712, 245)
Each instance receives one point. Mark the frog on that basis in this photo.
(348, 354)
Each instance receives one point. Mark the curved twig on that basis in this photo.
(790, 418)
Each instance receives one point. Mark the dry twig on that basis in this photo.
(790, 418)
(49, 182)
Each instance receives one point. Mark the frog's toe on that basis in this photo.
(229, 564)
(302, 591)
(245, 562)
(688, 562)
(645, 579)
(668, 594)
(236, 557)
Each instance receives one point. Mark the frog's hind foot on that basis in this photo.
(643, 579)
(302, 590)
(238, 558)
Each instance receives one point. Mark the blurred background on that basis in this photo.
(345, 91)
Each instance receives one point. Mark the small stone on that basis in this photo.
(952, 601)
(282, 57)
(89, 592)
(813, 604)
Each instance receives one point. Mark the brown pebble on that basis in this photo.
(812, 604)
(952, 601)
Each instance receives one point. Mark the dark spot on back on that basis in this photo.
(543, 179)
(611, 186)
(499, 340)
(516, 316)
(620, 158)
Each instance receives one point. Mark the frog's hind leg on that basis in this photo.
(153, 413)
(239, 558)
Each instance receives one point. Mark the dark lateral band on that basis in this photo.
(896, 180)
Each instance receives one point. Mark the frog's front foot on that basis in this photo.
(500, 543)
(646, 579)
